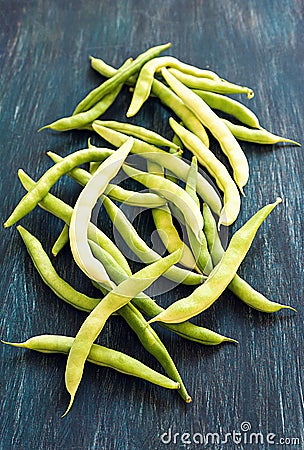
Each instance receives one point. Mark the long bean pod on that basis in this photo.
(149, 136)
(51, 278)
(165, 95)
(219, 86)
(146, 76)
(217, 170)
(115, 192)
(94, 323)
(81, 214)
(166, 230)
(229, 106)
(198, 246)
(221, 132)
(243, 290)
(176, 165)
(223, 273)
(142, 250)
(173, 193)
(99, 355)
(149, 307)
(259, 136)
(63, 211)
(120, 77)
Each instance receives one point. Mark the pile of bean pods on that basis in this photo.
(172, 188)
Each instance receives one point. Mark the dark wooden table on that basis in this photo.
(256, 386)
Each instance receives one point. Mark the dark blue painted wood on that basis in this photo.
(44, 49)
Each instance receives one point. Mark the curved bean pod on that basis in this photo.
(153, 344)
(260, 136)
(187, 330)
(94, 323)
(217, 170)
(149, 136)
(165, 95)
(221, 132)
(81, 214)
(173, 193)
(120, 77)
(51, 278)
(238, 286)
(115, 192)
(229, 106)
(82, 120)
(146, 76)
(223, 273)
(219, 86)
(176, 165)
(51, 176)
(166, 230)
(198, 246)
(100, 355)
(63, 211)
(142, 250)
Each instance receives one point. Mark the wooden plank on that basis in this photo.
(44, 51)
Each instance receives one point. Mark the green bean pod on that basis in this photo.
(173, 193)
(238, 286)
(51, 176)
(149, 136)
(176, 165)
(198, 246)
(51, 278)
(153, 344)
(99, 355)
(165, 95)
(82, 120)
(115, 192)
(63, 211)
(166, 230)
(260, 136)
(149, 307)
(146, 76)
(219, 86)
(217, 170)
(223, 273)
(142, 250)
(229, 106)
(94, 323)
(120, 77)
(82, 211)
(61, 241)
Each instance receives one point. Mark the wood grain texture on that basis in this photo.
(44, 49)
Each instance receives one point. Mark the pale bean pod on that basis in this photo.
(145, 78)
(221, 132)
(217, 170)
